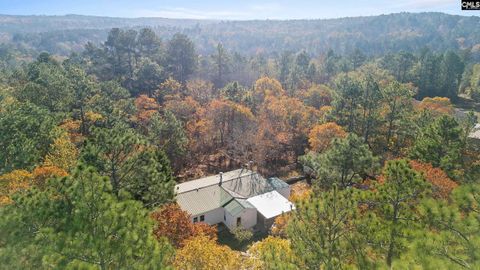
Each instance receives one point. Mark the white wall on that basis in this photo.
(248, 216)
(212, 217)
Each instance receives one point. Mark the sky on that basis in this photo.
(229, 9)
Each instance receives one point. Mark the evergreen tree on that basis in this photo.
(181, 59)
(345, 163)
(75, 223)
(323, 232)
(440, 144)
(395, 201)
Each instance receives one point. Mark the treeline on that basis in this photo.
(375, 35)
(91, 147)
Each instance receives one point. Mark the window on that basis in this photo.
(202, 218)
(195, 219)
(239, 221)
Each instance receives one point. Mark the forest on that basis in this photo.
(97, 127)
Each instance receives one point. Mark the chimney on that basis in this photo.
(221, 178)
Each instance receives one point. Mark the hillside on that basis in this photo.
(374, 34)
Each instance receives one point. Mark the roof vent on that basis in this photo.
(221, 178)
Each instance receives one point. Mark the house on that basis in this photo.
(239, 198)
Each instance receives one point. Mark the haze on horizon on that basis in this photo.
(229, 9)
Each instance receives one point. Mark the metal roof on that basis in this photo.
(205, 199)
(271, 204)
(206, 194)
(248, 186)
(212, 180)
(236, 206)
(277, 183)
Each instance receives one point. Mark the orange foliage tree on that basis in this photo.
(183, 109)
(42, 173)
(321, 136)
(224, 130)
(442, 185)
(173, 223)
(146, 107)
(283, 125)
(437, 105)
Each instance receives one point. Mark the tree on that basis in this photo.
(13, 182)
(346, 102)
(131, 165)
(173, 223)
(77, 223)
(396, 198)
(452, 239)
(322, 231)
(437, 105)
(428, 75)
(273, 253)
(47, 86)
(168, 133)
(149, 76)
(318, 96)
(63, 153)
(347, 162)
(224, 129)
(203, 253)
(442, 185)
(397, 105)
(440, 144)
(264, 87)
(357, 58)
(26, 132)
(222, 65)
(452, 70)
(321, 136)
(146, 108)
(283, 125)
(233, 91)
(181, 58)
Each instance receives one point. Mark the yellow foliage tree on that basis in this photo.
(203, 253)
(273, 253)
(63, 153)
(42, 173)
(12, 182)
(321, 136)
(266, 86)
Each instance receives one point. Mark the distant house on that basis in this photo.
(239, 198)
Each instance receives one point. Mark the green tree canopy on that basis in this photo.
(76, 223)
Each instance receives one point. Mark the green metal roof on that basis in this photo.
(236, 206)
(277, 183)
(203, 200)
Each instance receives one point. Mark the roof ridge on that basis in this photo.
(217, 183)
